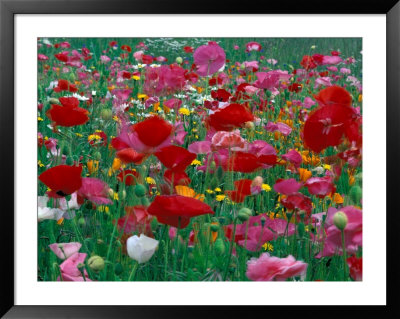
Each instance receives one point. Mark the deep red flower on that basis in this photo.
(220, 95)
(175, 158)
(129, 176)
(176, 178)
(118, 144)
(308, 62)
(318, 58)
(188, 49)
(64, 85)
(147, 59)
(242, 189)
(298, 201)
(231, 117)
(67, 115)
(355, 266)
(126, 48)
(63, 56)
(69, 101)
(62, 179)
(129, 155)
(176, 210)
(295, 87)
(243, 162)
(153, 131)
(334, 95)
(326, 126)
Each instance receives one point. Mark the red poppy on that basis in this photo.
(308, 62)
(326, 126)
(191, 76)
(129, 155)
(242, 189)
(176, 210)
(118, 144)
(62, 179)
(334, 95)
(153, 131)
(126, 48)
(230, 117)
(295, 87)
(147, 59)
(175, 158)
(355, 266)
(188, 49)
(220, 95)
(318, 58)
(129, 176)
(126, 75)
(297, 201)
(176, 178)
(243, 162)
(67, 115)
(69, 101)
(64, 85)
(63, 57)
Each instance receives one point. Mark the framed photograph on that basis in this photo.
(165, 155)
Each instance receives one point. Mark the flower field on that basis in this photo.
(226, 159)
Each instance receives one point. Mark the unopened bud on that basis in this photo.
(96, 263)
(340, 220)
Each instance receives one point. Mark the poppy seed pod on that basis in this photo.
(245, 210)
(97, 156)
(214, 227)
(179, 60)
(243, 216)
(355, 194)
(96, 263)
(140, 190)
(106, 114)
(340, 220)
(219, 247)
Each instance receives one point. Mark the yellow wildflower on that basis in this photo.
(266, 187)
(150, 180)
(220, 198)
(184, 111)
(268, 246)
(196, 162)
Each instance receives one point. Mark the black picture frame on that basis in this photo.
(9, 8)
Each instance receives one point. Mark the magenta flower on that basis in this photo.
(266, 80)
(209, 59)
(279, 126)
(94, 190)
(287, 186)
(42, 57)
(201, 147)
(293, 157)
(69, 268)
(308, 102)
(320, 186)
(267, 268)
(327, 59)
(65, 250)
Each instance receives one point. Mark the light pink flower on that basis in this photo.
(138, 55)
(94, 190)
(104, 59)
(229, 140)
(320, 186)
(65, 250)
(209, 59)
(326, 81)
(308, 102)
(69, 268)
(42, 57)
(201, 147)
(327, 59)
(267, 268)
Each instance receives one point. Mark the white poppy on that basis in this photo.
(141, 248)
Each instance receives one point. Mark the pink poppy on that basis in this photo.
(65, 250)
(104, 59)
(69, 268)
(327, 59)
(325, 81)
(42, 57)
(173, 104)
(308, 102)
(287, 186)
(94, 190)
(253, 46)
(201, 147)
(266, 80)
(355, 266)
(293, 157)
(298, 201)
(279, 126)
(268, 268)
(209, 59)
(320, 186)
(230, 140)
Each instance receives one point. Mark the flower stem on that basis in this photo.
(344, 257)
(133, 272)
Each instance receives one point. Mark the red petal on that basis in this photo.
(153, 131)
(175, 158)
(62, 179)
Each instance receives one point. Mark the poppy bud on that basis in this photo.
(154, 223)
(214, 219)
(111, 193)
(243, 216)
(72, 77)
(145, 201)
(123, 194)
(355, 194)
(118, 269)
(263, 219)
(96, 263)
(242, 66)
(340, 220)
(246, 211)
(69, 161)
(219, 247)
(213, 166)
(106, 114)
(97, 156)
(220, 173)
(249, 125)
(179, 60)
(81, 221)
(140, 190)
(53, 100)
(214, 227)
